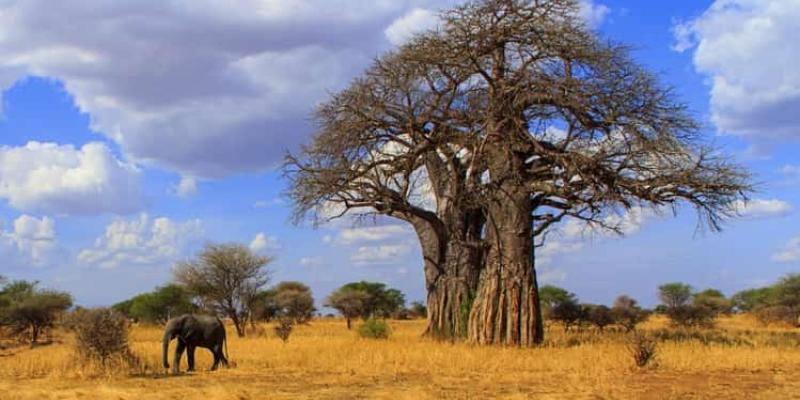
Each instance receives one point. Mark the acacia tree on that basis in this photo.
(227, 278)
(27, 309)
(351, 303)
(518, 117)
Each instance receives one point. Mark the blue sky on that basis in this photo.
(133, 133)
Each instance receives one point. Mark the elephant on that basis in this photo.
(195, 331)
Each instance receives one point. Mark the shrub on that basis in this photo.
(642, 349)
(284, 328)
(599, 316)
(101, 335)
(374, 329)
(627, 313)
(568, 312)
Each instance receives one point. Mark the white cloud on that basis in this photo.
(60, 179)
(372, 234)
(261, 243)
(268, 203)
(141, 241)
(311, 261)
(763, 208)
(790, 252)
(594, 14)
(33, 238)
(790, 169)
(379, 255)
(415, 21)
(206, 88)
(748, 51)
(187, 187)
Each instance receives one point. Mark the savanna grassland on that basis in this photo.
(322, 360)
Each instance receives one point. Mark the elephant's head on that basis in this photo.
(174, 328)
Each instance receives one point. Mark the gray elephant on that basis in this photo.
(194, 331)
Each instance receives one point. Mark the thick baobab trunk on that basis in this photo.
(452, 265)
(451, 292)
(506, 307)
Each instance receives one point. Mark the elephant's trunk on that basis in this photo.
(167, 338)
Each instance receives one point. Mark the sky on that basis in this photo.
(132, 133)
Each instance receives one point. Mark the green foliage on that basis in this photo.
(598, 315)
(374, 328)
(158, 306)
(418, 309)
(751, 299)
(381, 302)
(27, 309)
(713, 300)
(675, 294)
(351, 303)
(294, 300)
(568, 312)
(550, 296)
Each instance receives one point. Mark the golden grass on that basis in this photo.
(325, 361)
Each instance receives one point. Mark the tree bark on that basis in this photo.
(506, 307)
(452, 264)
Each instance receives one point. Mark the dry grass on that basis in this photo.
(323, 360)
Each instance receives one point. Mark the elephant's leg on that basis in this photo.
(178, 353)
(216, 351)
(190, 356)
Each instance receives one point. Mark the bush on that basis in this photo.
(374, 329)
(642, 349)
(627, 313)
(284, 328)
(692, 315)
(568, 312)
(101, 335)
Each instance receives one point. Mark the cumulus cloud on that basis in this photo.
(141, 241)
(746, 49)
(205, 88)
(32, 239)
(311, 261)
(186, 187)
(372, 234)
(261, 243)
(594, 14)
(789, 253)
(762, 208)
(416, 21)
(386, 254)
(60, 179)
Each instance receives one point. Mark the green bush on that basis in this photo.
(374, 329)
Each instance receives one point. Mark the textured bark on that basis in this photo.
(452, 267)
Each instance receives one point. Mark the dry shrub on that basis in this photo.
(101, 339)
(284, 328)
(642, 348)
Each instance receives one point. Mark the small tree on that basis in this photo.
(351, 303)
(627, 313)
(226, 277)
(381, 301)
(713, 300)
(599, 316)
(675, 294)
(158, 306)
(751, 299)
(294, 300)
(31, 310)
(568, 312)
(418, 309)
(550, 296)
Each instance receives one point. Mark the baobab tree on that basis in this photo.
(516, 117)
